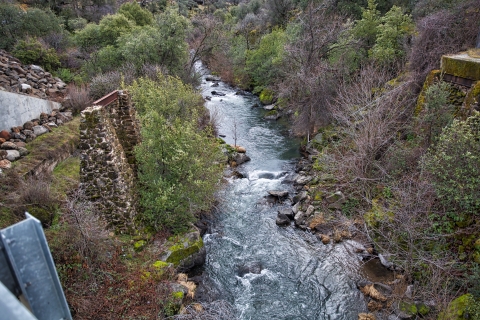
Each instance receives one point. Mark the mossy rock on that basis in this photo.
(271, 113)
(409, 308)
(178, 295)
(266, 96)
(139, 245)
(183, 247)
(476, 257)
(456, 308)
(473, 96)
(159, 264)
(377, 214)
(461, 65)
(422, 309)
(431, 78)
(476, 245)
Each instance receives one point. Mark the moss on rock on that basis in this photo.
(461, 65)
(473, 96)
(431, 78)
(266, 96)
(139, 245)
(183, 247)
(456, 308)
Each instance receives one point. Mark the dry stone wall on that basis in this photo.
(108, 135)
(29, 79)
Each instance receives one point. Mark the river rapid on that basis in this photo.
(262, 270)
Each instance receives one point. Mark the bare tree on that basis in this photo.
(443, 32)
(309, 81)
(235, 132)
(204, 38)
(370, 116)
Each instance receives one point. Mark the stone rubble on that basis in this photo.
(30, 80)
(13, 143)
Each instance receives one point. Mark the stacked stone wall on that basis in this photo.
(108, 135)
(29, 79)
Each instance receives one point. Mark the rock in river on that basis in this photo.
(282, 220)
(278, 194)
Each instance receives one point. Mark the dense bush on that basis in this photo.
(454, 166)
(135, 13)
(17, 24)
(437, 112)
(391, 38)
(78, 98)
(263, 63)
(179, 164)
(31, 51)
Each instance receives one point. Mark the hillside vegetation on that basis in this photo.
(400, 142)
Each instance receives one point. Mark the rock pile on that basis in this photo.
(29, 79)
(13, 143)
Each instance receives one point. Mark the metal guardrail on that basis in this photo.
(27, 270)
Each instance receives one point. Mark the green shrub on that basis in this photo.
(16, 24)
(65, 74)
(179, 164)
(31, 51)
(454, 166)
(437, 111)
(263, 63)
(389, 45)
(135, 13)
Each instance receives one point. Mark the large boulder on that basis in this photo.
(23, 151)
(28, 125)
(302, 195)
(218, 93)
(272, 115)
(240, 158)
(302, 180)
(213, 78)
(186, 252)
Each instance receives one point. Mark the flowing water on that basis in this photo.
(265, 271)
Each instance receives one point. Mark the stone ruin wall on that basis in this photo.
(108, 135)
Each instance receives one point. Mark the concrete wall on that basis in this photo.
(16, 109)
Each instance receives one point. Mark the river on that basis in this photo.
(262, 270)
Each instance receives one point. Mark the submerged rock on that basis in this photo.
(218, 93)
(213, 78)
(278, 194)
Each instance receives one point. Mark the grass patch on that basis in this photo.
(50, 146)
(66, 177)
